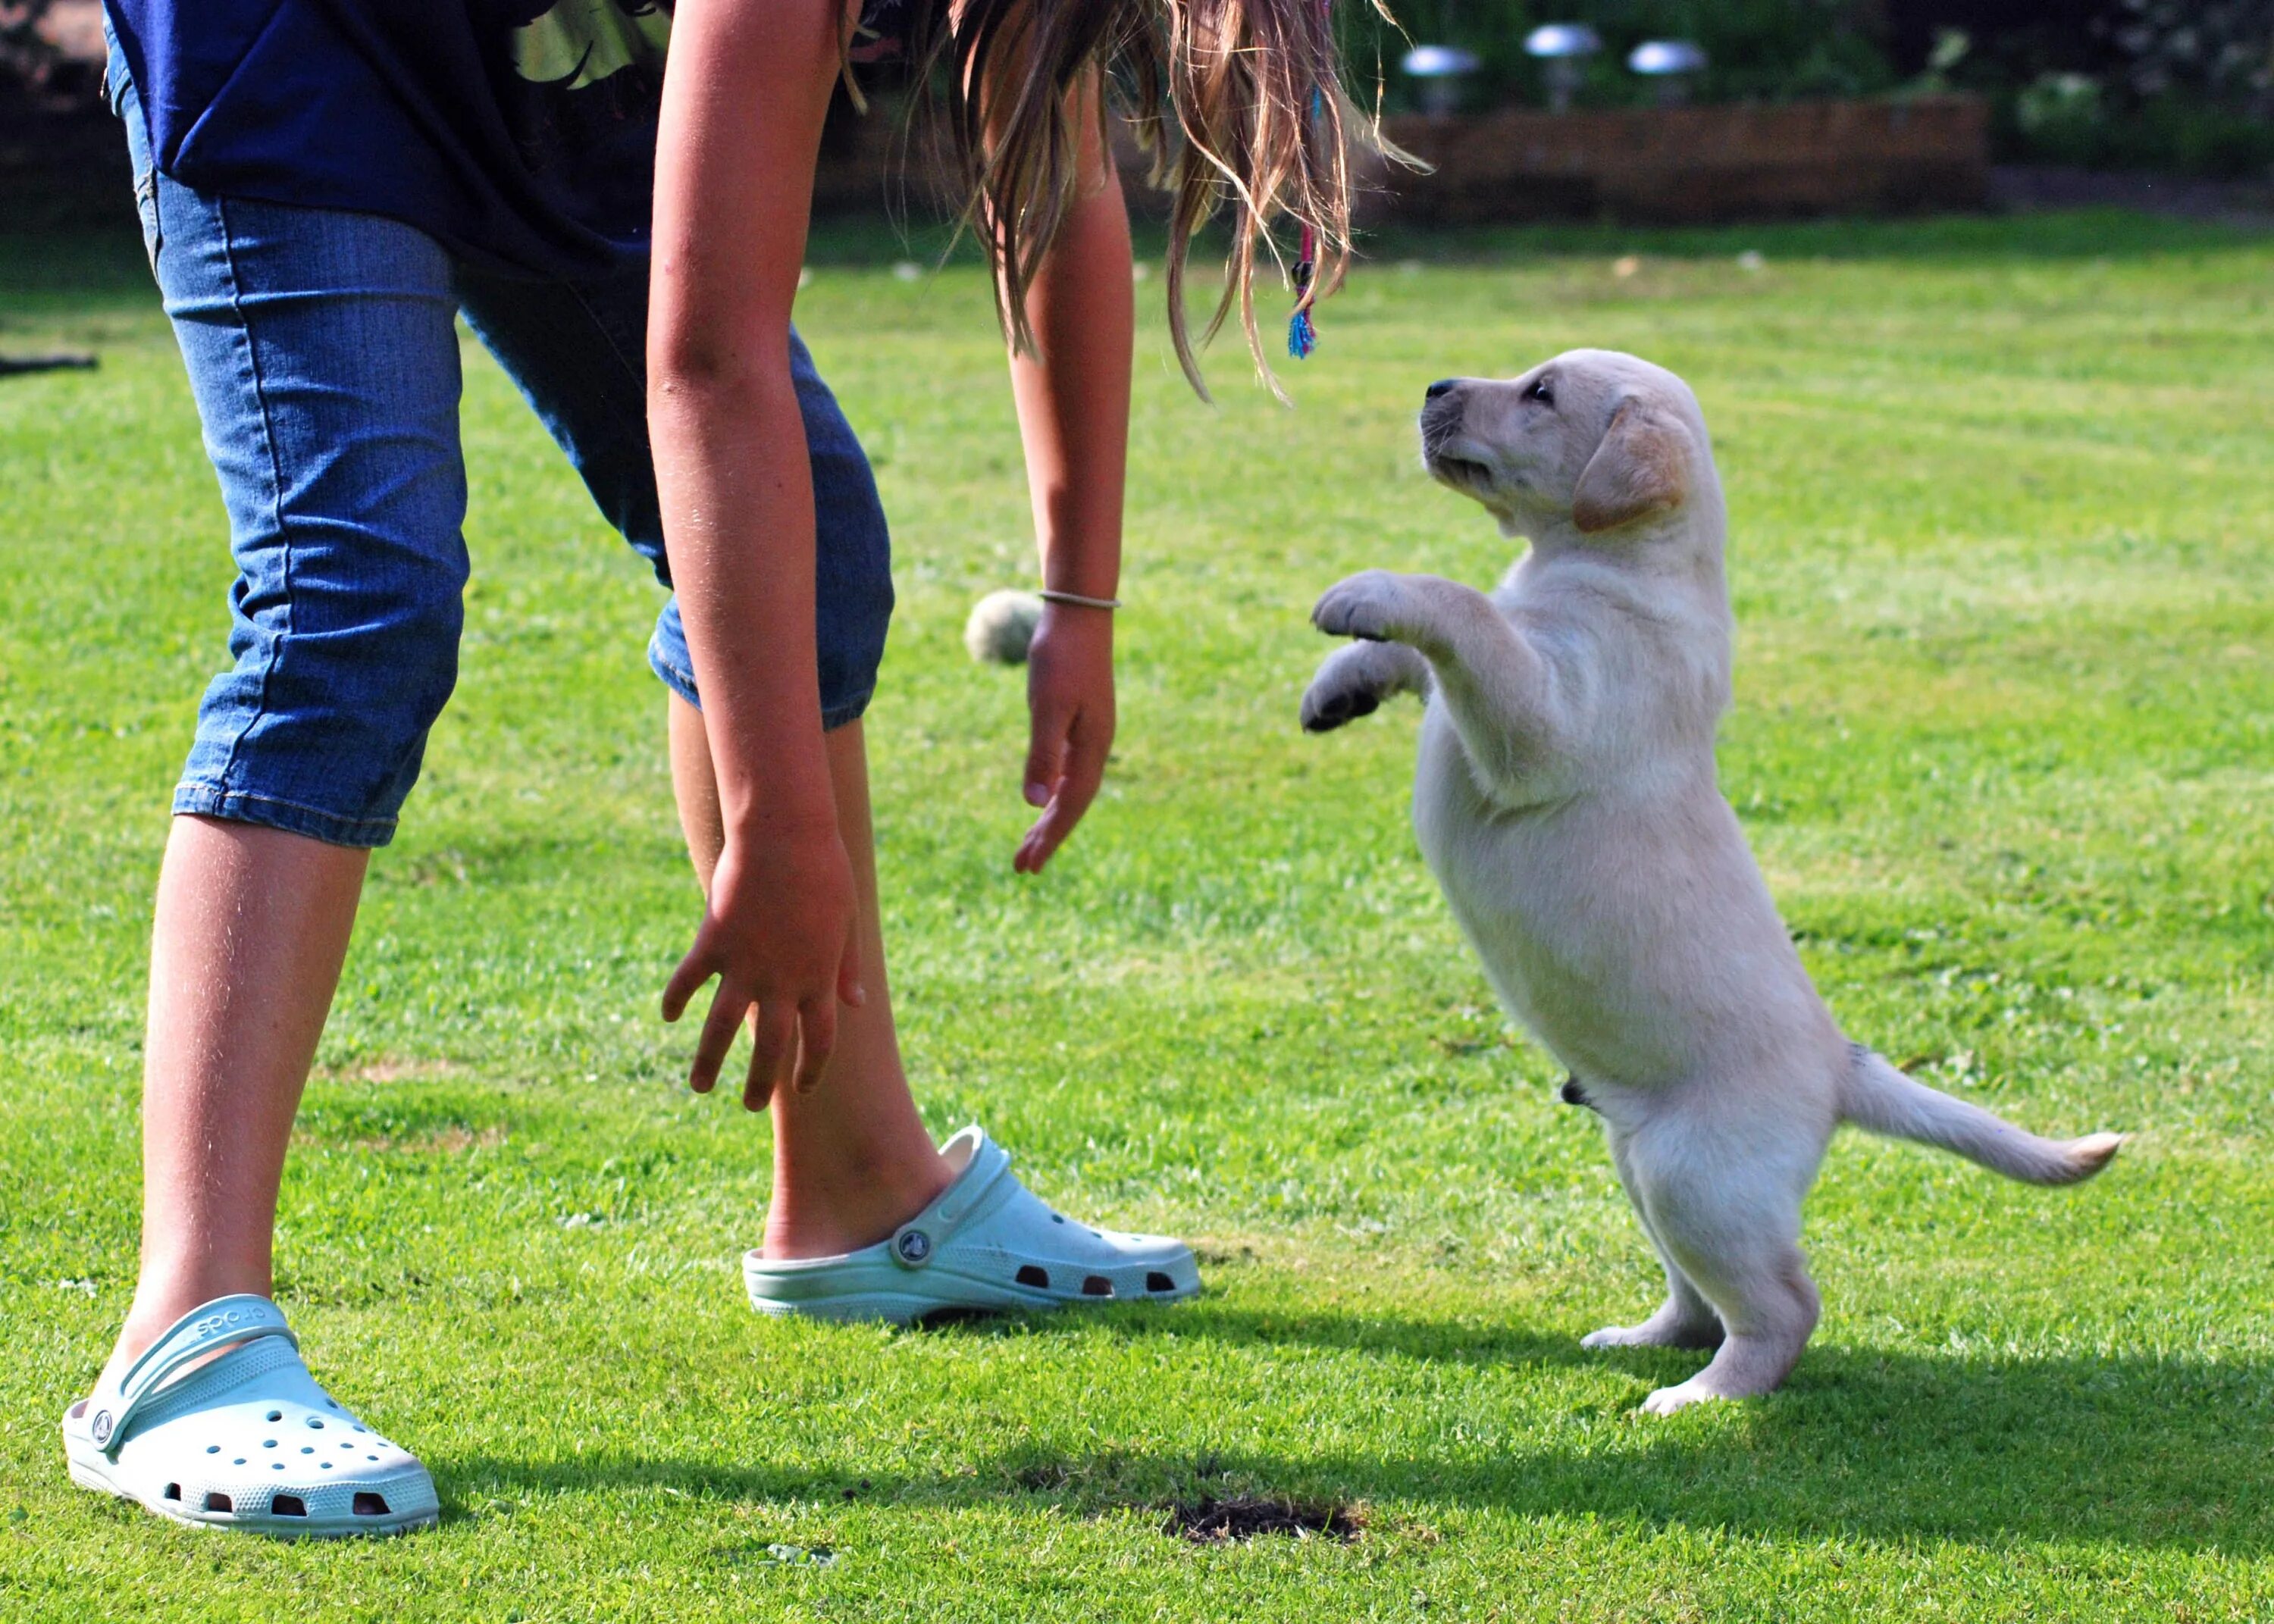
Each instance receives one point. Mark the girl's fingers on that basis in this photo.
(1084, 772)
(773, 1047)
(718, 1029)
(1046, 753)
(1045, 839)
(1084, 777)
(849, 989)
(693, 971)
(817, 1033)
(1050, 832)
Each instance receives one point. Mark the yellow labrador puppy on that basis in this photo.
(1566, 801)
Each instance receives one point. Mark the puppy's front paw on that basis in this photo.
(1366, 605)
(1326, 707)
(1345, 690)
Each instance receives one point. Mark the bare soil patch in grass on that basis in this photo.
(1242, 1517)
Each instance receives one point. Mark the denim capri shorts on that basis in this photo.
(323, 353)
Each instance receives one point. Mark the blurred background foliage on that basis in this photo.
(2182, 86)
(26, 57)
(1758, 50)
(2185, 85)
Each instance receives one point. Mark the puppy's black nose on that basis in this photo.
(1443, 385)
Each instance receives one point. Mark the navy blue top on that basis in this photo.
(520, 133)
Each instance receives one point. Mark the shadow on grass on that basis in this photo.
(1860, 1444)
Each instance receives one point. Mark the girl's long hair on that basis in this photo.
(1239, 103)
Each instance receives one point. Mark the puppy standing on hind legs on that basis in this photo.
(1565, 799)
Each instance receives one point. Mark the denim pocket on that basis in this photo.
(118, 90)
(145, 205)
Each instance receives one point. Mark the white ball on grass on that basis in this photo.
(1001, 626)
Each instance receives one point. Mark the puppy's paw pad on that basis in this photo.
(1612, 1336)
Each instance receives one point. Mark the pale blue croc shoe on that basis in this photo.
(985, 1245)
(248, 1440)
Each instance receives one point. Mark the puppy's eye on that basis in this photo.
(1542, 392)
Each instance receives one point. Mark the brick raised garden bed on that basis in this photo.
(1664, 164)
(1681, 164)
(1686, 164)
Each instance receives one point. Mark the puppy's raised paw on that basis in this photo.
(1323, 713)
(1355, 679)
(1364, 606)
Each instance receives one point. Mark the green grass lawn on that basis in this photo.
(2000, 503)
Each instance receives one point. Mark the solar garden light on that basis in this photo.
(1440, 69)
(1562, 49)
(1673, 64)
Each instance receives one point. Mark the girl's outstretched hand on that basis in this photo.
(779, 933)
(1070, 700)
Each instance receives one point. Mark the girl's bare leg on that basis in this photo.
(251, 930)
(852, 1160)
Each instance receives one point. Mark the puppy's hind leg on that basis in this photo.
(1733, 1231)
(1354, 680)
(1685, 1320)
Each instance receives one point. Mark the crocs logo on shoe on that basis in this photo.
(219, 1323)
(100, 1428)
(912, 1247)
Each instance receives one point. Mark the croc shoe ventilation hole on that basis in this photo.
(369, 1505)
(287, 1506)
(1096, 1285)
(1039, 1279)
(173, 1491)
(1157, 1281)
(218, 1501)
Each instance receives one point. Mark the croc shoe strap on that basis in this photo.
(915, 1242)
(225, 1322)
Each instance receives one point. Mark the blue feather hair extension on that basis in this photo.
(1302, 333)
(1302, 336)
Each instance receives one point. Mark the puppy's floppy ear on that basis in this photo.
(1642, 466)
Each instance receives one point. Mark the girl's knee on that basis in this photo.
(320, 724)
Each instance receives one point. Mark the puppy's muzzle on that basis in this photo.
(1441, 410)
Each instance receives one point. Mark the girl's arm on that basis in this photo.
(1073, 418)
(744, 95)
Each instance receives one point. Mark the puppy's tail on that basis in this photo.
(1876, 1096)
